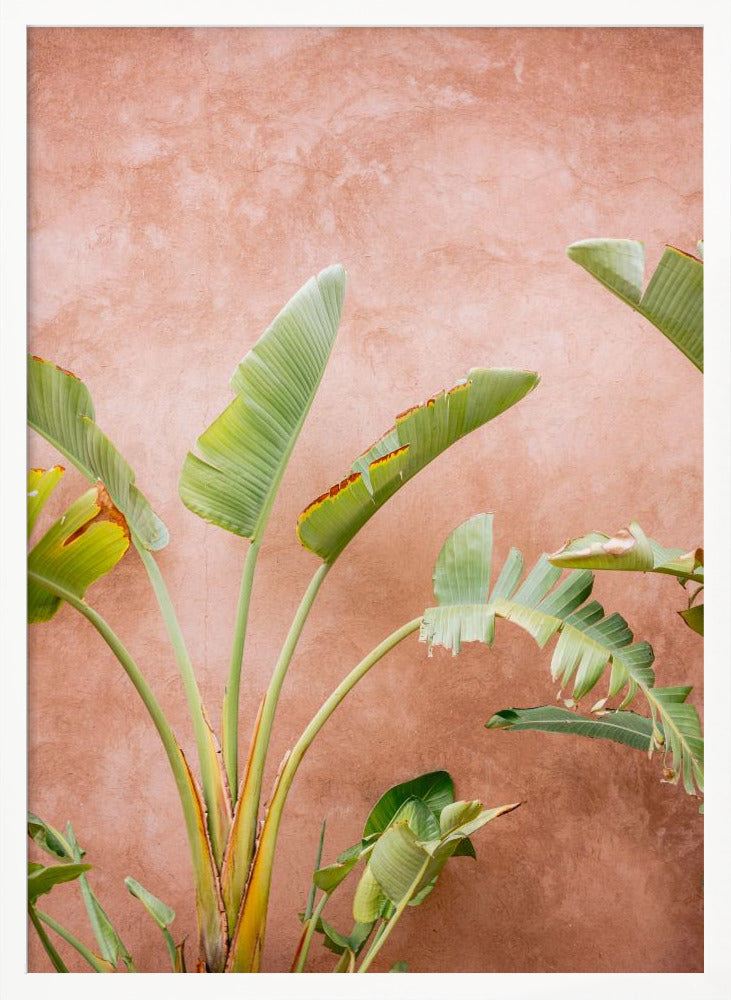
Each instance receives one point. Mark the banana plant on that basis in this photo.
(672, 302)
(410, 834)
(591, 647)
(111, 947)
(230, 479)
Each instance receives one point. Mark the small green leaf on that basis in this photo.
(693, 618)
(48, 838)
(435, 789)
(110, 943)
(330, 877)
(41, 879)
(161, 913)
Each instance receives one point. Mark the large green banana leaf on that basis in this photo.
(418, 436)
(61, 410)
(628, 728)
(84, 544)
(673, 300)
(426, 806)
(244, 452)
(588, 641)
(410, 854)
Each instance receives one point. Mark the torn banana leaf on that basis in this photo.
(233, 479)
(629, 549)
(673, 300)
(544, 605)
(419, 435)
(61, 410)
(84, 544)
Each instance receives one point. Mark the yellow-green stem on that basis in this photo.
(245, 827)
(311, 928)
(56, 961)
(230, 717)
(207, 889)
(249, 937)
(217, 805)
(381, 939)
(97, 964)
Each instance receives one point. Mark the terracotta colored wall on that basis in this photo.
(183, 184)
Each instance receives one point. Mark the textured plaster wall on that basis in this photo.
(184, 183)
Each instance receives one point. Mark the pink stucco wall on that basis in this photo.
(184, 183)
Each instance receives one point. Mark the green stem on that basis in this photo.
(250, 932)
(230, 718)
(170, 945)
(207, 892)
(311, 927)
(218, 812)
(56, 961)
(381, 939)
(318, 861)
(342, 963)
(131, 669)
(86, 953)
(246, 828)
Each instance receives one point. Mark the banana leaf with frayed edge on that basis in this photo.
(629, 549)
(588, 641)
(84, 544)
(244, 452)
(673, 300)
(419, 435)
(61, 410)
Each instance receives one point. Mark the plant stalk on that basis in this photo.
(214, 792)
(230, 717)
(318, 861)
(97, 964)
(56, 961)
(207, 889)
(381, 939)
(248, 940)
(311, 928)
(245, 826)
